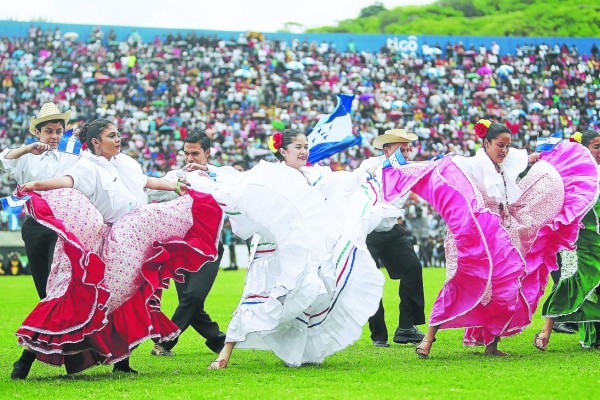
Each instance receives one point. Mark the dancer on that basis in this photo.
(388, 244)
(575, 296)
(311, 284)
(36, 161)
(193, 291)
(503, 234)
(113, 257)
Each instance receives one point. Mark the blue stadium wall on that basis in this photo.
(363, 42)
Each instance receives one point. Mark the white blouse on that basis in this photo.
(31, 167)
(115, 187)
(481, 168)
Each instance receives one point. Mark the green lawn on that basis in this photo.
(360, 371)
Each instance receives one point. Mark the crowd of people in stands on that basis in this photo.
(240, 90)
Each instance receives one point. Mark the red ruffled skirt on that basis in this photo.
(106, 280)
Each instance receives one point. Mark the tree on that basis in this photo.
(372, 10)
(293, 27)
(467, 7)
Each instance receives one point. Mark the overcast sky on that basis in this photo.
(233, 15)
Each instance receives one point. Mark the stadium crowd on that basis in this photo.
(240, 90)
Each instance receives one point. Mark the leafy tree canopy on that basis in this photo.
(577, 18)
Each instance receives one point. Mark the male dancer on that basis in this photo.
(193, 291)
(390, 247)
(37, 161)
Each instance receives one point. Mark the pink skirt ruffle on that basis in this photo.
(106, 280)
(499, 273)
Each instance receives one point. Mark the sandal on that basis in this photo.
(158, 350)
(218, 364)
(421, 350)
(540, 343)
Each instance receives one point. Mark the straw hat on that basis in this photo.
(48, 112)
(394, 136)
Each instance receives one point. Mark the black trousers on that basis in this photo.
(192, 294)
(393, 250)
(39, 246)
(555, 275)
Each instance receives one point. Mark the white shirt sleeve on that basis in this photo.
(84, 177)
(164, 195)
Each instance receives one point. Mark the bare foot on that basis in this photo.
(218, 364)
(424, 348)
(496, 353)
(540, 341)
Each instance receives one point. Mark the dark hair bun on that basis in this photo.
(82, 132)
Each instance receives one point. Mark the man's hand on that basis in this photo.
(37, 148)
(194, 167)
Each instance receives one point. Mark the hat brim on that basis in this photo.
(36, 121)
(387, 138)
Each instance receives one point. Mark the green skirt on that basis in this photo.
(575, 297)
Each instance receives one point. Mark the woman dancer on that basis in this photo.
(312, 284)
(114, 255)
(575, 296)
(503, 233)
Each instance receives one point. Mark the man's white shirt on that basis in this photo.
(390, 211)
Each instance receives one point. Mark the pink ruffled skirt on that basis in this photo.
(498, 266)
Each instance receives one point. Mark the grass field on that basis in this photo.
(359, 372)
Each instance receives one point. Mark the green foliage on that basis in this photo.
(358, 372)
(371, 10)
(578, 18)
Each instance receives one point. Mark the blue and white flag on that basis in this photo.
(13, 204)
(13, 222)
(333, 133)
(69, 143)
(548, 143)
(395, 160)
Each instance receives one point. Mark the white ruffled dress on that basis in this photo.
(312, 284)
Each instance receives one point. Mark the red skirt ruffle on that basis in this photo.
(78, 325)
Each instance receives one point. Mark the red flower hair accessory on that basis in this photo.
(577, 136)
(275, 142)
(481, 128)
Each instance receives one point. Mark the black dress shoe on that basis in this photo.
(23, 365)
(563, 327)
(123, 366)
(381, 343)
(408, 335)
(233, 268)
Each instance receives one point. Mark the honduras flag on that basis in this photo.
(13, 222)
(395, 160)
(13, 204)
(548, 143)
(333, 133)
(69, 143)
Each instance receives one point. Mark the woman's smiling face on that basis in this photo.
(296, 153)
